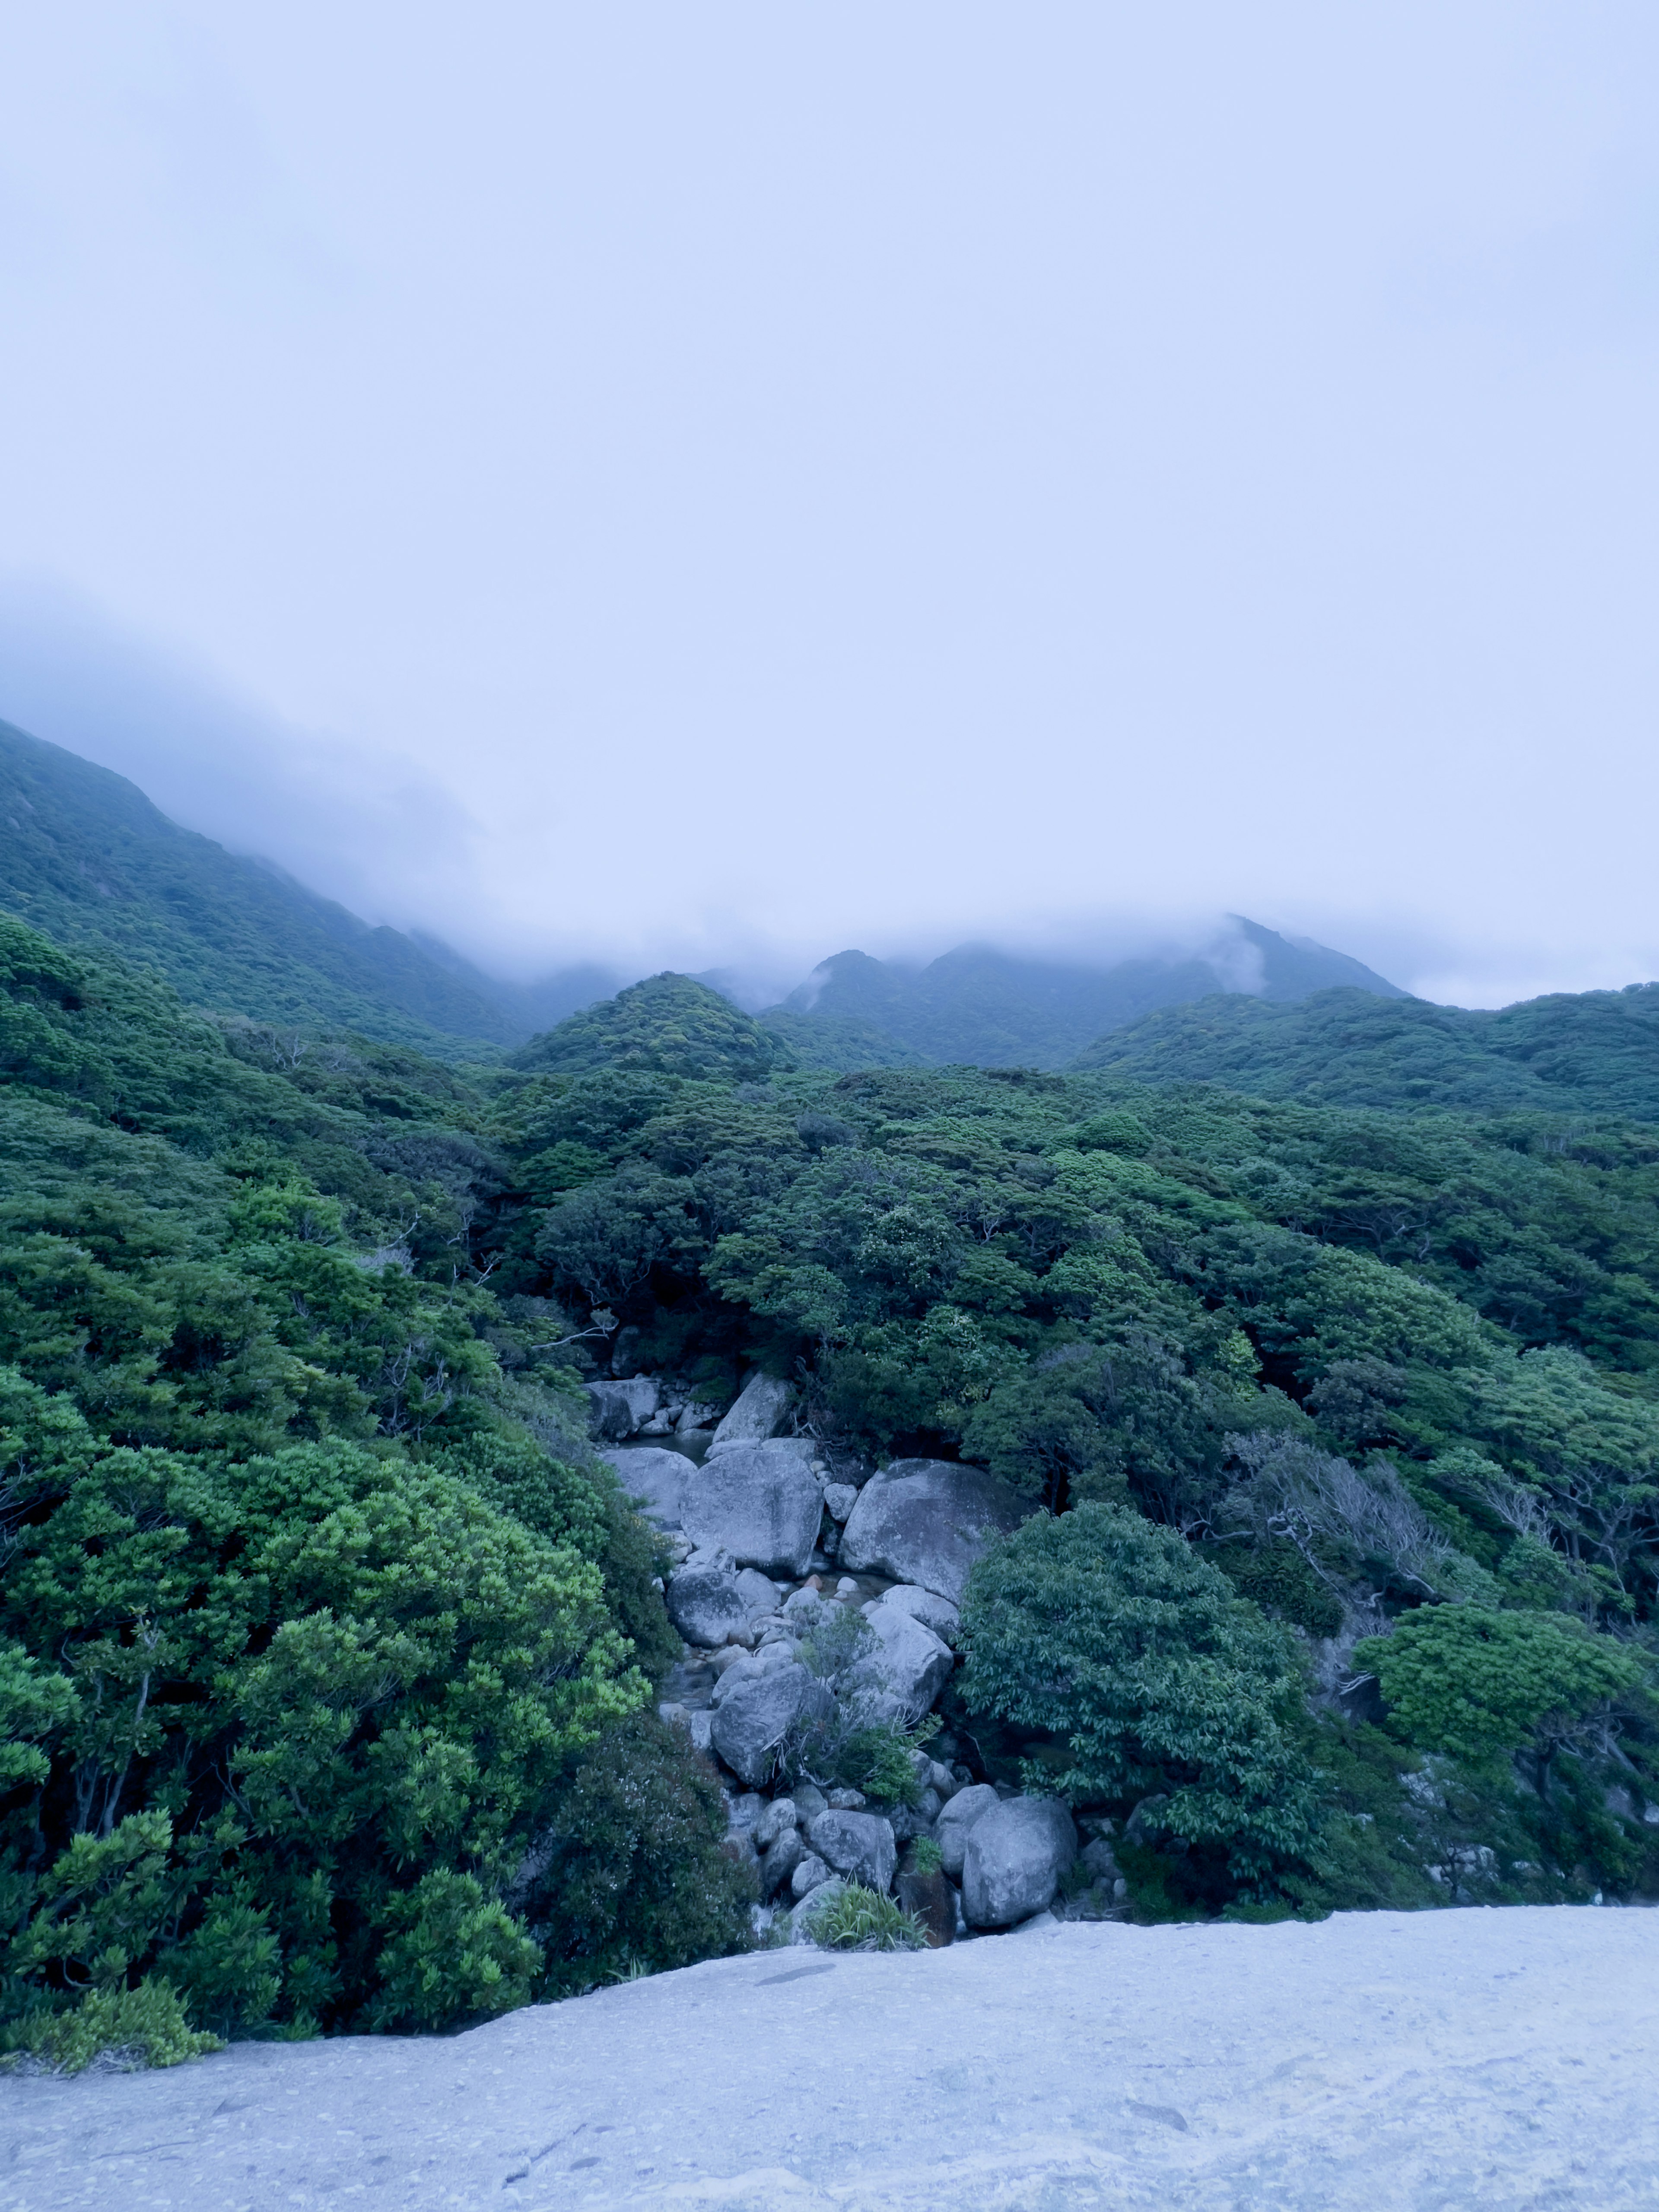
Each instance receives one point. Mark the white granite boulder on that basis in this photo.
(620, 1409)
(755, 1707)
(926, 1522)
(759, 1502)
(653, 1478)
(1017, 1854)
(899, 1679)
(859, 1846)
(956, 1822)
(925, 1606)
(757, 1413)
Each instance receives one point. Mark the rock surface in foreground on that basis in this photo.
(1435, 2061)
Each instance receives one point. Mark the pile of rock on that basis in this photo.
(769, 1534)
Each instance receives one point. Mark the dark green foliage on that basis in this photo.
(636, 1877)
(1596, 1051)
(979, 1007)
(1114, 1636)
(668, 1024)
(304, 1716)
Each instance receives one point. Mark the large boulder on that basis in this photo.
(652, 1477)
(1016, 1855)
(706, 1605)
(859, 1846)
(927, 1521)
(620, 1408)
(899, 1679)
(759, 1502)
(957, 1821)
(934, 1612)
(754, 1708)
(758, 1412)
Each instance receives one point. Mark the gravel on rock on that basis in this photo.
(1433, 2062)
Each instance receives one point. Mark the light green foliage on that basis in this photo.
(1462, 1679)
(144, 2026)
(854, 1918)
(1116, 1636)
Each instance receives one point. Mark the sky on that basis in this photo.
(717, 484)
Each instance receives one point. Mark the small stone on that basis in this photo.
(702, 1726)
(846, 1800)
(808, 1873)
(954, 1824)
(809, 1801)
(783, 1855)
(838, 1500)
(805, 1913)
(781, 1813)
(1097, 1858)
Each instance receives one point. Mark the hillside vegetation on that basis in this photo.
(981, 1007)
(1595, 1052)
(328, 1650)
(85, 858)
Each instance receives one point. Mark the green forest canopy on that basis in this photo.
(280, 1408)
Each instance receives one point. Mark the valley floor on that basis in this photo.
(1447, 2059)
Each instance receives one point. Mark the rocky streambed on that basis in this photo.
(818, 1597)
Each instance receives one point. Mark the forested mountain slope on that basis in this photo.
(85, 857)
(1595, 1052)
(979, 1007)
(328, 1649)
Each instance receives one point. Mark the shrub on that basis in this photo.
(1116, 1636)
(854, 1918)
(635, 1876)
(1462, 1679)
(304, 1716)
(143, 2027)
(926, 1857)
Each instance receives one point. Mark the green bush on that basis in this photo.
(306, 1717)
(854, 1918)
(635, 1876)
(1458, 1679)
(142, 2027)
(1116, 1636)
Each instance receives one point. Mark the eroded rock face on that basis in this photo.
(753, 1709)
(652, 1477)
(859, 1846)
(951, 1831)
(926, 1522)
(1016, 1853)
(706, 1605)
(620, 1408)
(759, 1502)
(758, 1412)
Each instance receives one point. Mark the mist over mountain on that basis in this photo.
(978, 1006)
(88, 859)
